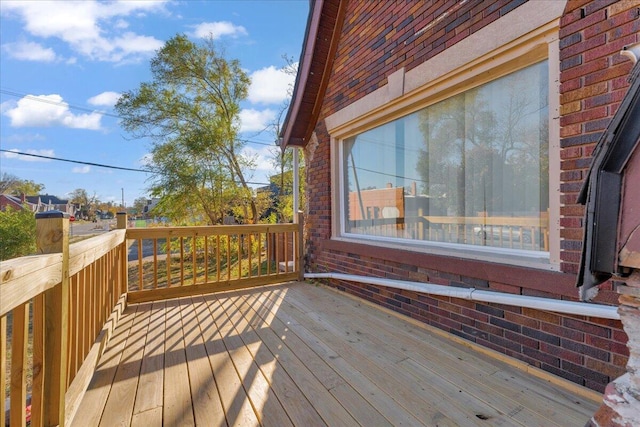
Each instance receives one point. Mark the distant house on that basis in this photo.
(446, 143)
(151, 203)
(44, 203)
(16, 202)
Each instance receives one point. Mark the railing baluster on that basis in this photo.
(71, 332)
(218, 257)
(269, 251)
(240, 239)
(228, 257)
(286, 252)
(18, 388)
(37, 384)
(259, 254)
(181, 261)
(155, 263)
(194, 260)
(300, 247)
(250, 252)
(3, 367)
(140, 266)
(206, 259)
(168, 258)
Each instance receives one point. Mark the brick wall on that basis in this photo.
(593, 81)
(377, 41)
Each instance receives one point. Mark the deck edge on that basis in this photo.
(518, 364)
(78, 387)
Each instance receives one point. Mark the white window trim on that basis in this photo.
(523, 37)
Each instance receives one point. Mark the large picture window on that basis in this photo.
(472, 169)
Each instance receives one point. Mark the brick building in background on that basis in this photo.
(488, 111)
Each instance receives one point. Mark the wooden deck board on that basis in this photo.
(461, 364)
(297, 354)
(462, 371)
(149, 395)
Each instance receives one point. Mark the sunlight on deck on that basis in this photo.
(302, 355)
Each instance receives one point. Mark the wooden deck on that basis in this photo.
(303, 355)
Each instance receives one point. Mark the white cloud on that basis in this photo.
(255, 120)
(12, 154)
(217, 30)
(25, 138)
(29, 51)
(81, 169)
(262, 157)
(146, 160)
(270, 86)
(104, 99)
(49, 110)
(90, 28)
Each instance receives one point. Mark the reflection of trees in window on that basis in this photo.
(486, 149)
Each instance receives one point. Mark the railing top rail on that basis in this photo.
(26, 277)
(23, 278)
(85, 252)
(210, 230)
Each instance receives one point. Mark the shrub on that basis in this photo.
(17, 233)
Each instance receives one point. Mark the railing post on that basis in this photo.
(121, 220)
(52, 236)
(300, 246)
(121, 224)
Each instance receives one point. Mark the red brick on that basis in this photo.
(607, 73)
(584, 92)
(611, 370)
(570, 152)
(501, 287)
(585, 70)
(562, 353)
(587, 45)
(609, 345)
(571, 130)
(582, 23)
(584, 116)
(611, 48)
(541, 315)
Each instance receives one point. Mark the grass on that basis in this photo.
(235, 269)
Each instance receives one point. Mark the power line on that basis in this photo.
(75, 161)
(99, 164)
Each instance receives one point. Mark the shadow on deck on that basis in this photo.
(304, 355)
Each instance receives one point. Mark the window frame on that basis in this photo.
(432, 82)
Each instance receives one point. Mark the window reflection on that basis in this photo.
(472, 169)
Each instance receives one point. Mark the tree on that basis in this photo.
(282, 159)
(11, 184)
(17, 233)
(190, 111)
(81, 198)
(139, 204)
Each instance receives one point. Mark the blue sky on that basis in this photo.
(63, 65)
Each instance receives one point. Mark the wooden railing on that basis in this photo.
(180, 261)
(58, 308)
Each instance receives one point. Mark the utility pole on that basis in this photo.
(122, 197)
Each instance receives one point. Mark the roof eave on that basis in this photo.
(314, 69)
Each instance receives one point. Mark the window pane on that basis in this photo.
(472, 169)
